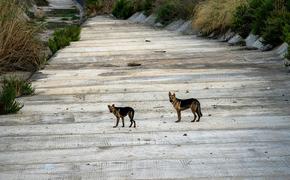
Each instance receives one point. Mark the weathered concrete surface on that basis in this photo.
(61, 4)
(65, 130)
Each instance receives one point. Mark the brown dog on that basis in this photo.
(121, 112)
(183, 104)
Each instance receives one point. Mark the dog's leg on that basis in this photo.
(194, 117)
(193, 112)
(117, 122)
(123, 122)
(198, 118)
(179, 116)
(131, 116)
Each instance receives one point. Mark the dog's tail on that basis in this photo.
(199, 109)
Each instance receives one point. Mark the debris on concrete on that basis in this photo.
(133, 64)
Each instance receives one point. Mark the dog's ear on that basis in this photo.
(174, 94)
(113, 105)
(109, 106)
(169, 93)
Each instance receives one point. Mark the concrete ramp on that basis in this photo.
(65, 131)
(61, 4)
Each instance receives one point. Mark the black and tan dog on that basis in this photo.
(121, 112)
(183, 104)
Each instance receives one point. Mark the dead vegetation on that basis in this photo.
(20, 47)
(215, 15)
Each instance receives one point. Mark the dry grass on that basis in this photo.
(215, 15)
(19, 46)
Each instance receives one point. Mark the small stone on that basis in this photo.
(88, 164)
(214, 106)
(147, 40)
(184, 134)
(186, 91)
(210, 153)
(234, 101)
(165, 136)
(266, 152)
(209, 114)
(138, 139)
(268, 88)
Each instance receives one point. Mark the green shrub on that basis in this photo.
(52, 45)
(171, 10)
(8, 104)
(148, 6)
(123, 9)
(261, 14)
(286, 38)
(244, 17)
(166, 13)
(242, 22)
(94, 7)
(20, 86)
(273, 31)
(62, 37)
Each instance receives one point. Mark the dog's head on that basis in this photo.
(111, 108)
(172, 97)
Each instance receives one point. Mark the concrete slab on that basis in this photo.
(235, 40)
(250, 40)
(65, 130)
(175, 25)
(151, 20)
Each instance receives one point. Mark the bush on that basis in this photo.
(166, 13)
(273, 31)
(8, 104)
(20, 47)
(123, 9)
(94, 7)
(217, 15)
(171, 10)
(242, 21)
(147, 6)
(20, 86)
(62, 37)
(286, 38)
(261, 14)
